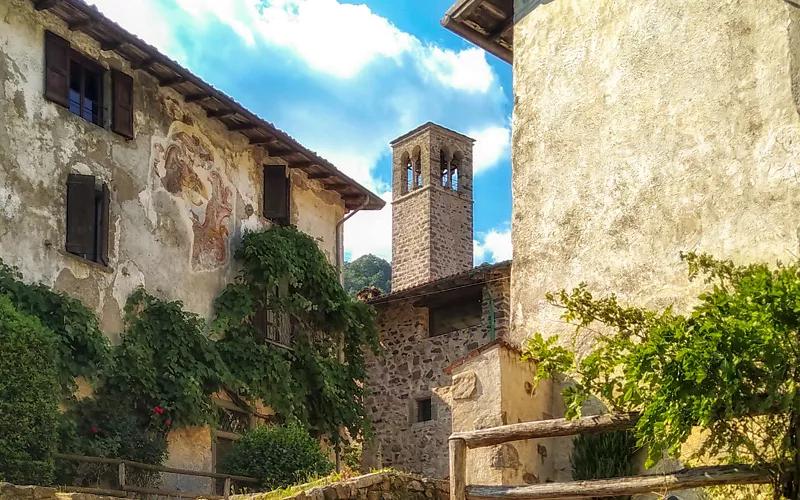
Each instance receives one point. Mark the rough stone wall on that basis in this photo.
(644, 128)
(412, 368)
(182, 192)
(377, 486)
(432, 226)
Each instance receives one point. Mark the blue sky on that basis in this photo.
(345, 78)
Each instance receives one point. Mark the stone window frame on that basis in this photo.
(413, 409)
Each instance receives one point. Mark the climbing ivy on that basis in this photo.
(318, 382)
(731, 366)
(83, 349)
(171, 362)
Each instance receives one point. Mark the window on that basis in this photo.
(87, 218)
(455, 312)
(424, 410)
(454, 164)
(74, 81)
(273, 328)
(277, 193)
(233, 422)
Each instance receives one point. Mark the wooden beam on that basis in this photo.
(261, 141)
(324, 175)
(144, 63)
(169, 82)
(44, 4)
(548, 428)
(458, 469)
(239, 127)
(504, 28)
(335, 186)
(82, 25)
(300, 164)
(280, 152)
(218, 113)
(201, 96)
(111, 45)
(494, 10)
(661, 484)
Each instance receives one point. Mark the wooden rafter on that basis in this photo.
(110, 45)
(169, 82)
(300, 164)
(219, 113)
(262, 141)
(44, 4)
(82, 25)
(200, 96)
(323, 175)
(239, 127)
(144, 63)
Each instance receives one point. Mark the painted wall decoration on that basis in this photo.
(185, 166)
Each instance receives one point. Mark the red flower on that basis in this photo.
(95, 430)
(158, 410)
(169, 422)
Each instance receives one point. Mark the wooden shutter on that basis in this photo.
(56, 84)
(260, 324)
(276, 193)
(103, 224)
(81, 208)
(122, 104)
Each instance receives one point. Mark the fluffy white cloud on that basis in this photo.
(492, 144)
(465, 70)
(495, 247)
(370, 232)
(147, 19)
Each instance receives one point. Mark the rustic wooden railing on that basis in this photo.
(698, 477)
(125, 488)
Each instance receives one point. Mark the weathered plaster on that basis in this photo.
(182, 192)
(642, 129)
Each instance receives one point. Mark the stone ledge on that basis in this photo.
(10, 491)
(391, 485)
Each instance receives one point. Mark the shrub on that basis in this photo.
(108, 425)
(603, 456)
(279, 456)
(29, 392)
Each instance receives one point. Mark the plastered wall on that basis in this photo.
(182, 192)
(644, 128)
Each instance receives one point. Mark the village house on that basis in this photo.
(119, 169)
(641, 129)
(441, 308)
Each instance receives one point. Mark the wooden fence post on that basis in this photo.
(458, 469)
(121, 471)
(227, 488)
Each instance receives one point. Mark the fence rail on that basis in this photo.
(698, 477)
(125, 488)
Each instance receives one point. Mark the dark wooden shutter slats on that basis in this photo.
(103, 225)
(81, 207)
(276, 193)
(56, 85)
(122, 95)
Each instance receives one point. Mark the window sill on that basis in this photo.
(96, 265)
(426, 423)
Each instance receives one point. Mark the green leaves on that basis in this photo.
(729, 366)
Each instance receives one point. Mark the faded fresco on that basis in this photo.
(184, 166)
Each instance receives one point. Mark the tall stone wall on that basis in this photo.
(644, 128)
(182, 192)
(413, 367)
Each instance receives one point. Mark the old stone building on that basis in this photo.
(120, 169)
(441, 307)
(643, 128)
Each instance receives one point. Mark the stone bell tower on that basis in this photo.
(432, 205)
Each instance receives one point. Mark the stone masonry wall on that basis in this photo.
(377, 486)
(432, 226)
(411, 368)
(644, 128)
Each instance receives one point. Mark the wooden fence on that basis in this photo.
(124, 488)
(656, 483)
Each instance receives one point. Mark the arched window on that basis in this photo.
(407, 174)
(445, 174)
(417, 169)
(455, 172)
